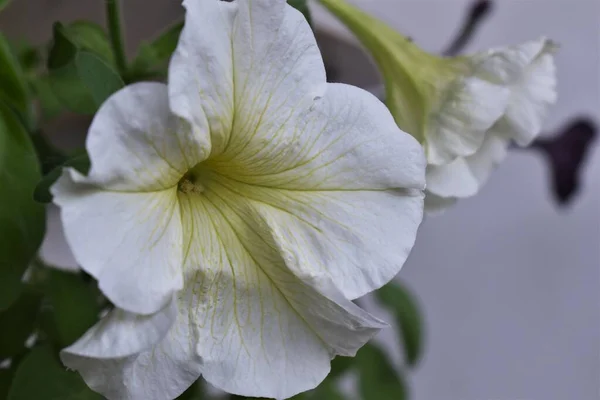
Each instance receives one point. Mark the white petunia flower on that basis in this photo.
(232, 215)
(464, 110)
(530, 75)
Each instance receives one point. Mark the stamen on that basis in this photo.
(190, 184)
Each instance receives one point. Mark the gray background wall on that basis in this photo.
(509, 284)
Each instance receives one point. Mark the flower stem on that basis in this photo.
(113, 17)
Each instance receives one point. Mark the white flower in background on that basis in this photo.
(530, 76)
(464, 110)
(232, 215)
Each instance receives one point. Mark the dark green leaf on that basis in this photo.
(99, 78)
(403, 305)
(378, 379)
(302, 6)
(48, 102)
(63, 49)
(194, 392)
(88, 36)
(13, 86)
(41, 376)
(328, 391)
(28, 56)
(22, 220)
(153, 56)
(70, 90)
(63, 78)
(18, 322)
(340, 365)
(4, 3)
(6, 377)
(42, 191)
(74, 305)
(79, 79)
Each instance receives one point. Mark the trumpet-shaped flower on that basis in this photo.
(464, 110)
(232, 215)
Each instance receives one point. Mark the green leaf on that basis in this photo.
(88, 36)
(99, 78)
(79, 79)
(13, 85)
(378, 379)
(70, 90)
(74, 303)
(194, 392)
(63, 49)
(152, 56)
(50, 105)
(41, 376)
(42, 191)
(6, 377)
(403, 305)
(340, 365)
(328, 391)
(4, 3)
(302, 6)
(22, 220)
(28, 56)
(18, 322)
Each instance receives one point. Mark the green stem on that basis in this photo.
(113, 17)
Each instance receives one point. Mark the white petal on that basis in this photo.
(452, 180)
(120, 334)
(277, 69)
(349, 179)
(130, 242)
(201, 86)
(464, 177)
(531, 97)
(158, 360)
(360, 238)
(492, 152)
(262, 330)
(458, 126)
(347, 140)
(505, 65)
(135, 144)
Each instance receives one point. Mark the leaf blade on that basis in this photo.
(41, 376)
(22, 220)
(403, 305)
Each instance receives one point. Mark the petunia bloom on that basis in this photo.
(233, 215)
(464, 110)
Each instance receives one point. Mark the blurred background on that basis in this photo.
(508, 281)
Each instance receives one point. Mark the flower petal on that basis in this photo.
(130, 242)
(135, 144)
(464, 177)
(506, 65)
(350, 181)
(120, 334)
(277, 69)
(156, 360)
(531, 97)
(201, 85)
(470, 107)
(255, 319)
(346, 140)
(452, 180)
(481, 164)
